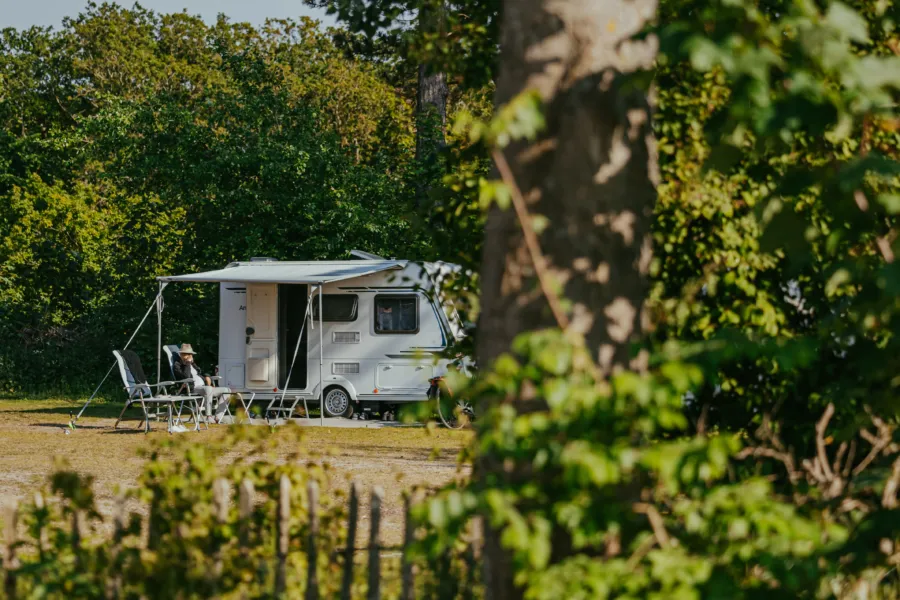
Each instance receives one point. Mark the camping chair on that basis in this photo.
(221, 408)
(140, 393)
(184, 385)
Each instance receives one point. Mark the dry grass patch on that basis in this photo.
(32, 438)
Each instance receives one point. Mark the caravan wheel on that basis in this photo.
(337, 402)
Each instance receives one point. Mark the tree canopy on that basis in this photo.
(135, 144)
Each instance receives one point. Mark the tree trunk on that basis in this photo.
(431, 111)
(592, 174)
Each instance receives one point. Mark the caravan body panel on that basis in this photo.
(232, 322)
(380, 338)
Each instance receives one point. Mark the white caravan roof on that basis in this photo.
(315, 272)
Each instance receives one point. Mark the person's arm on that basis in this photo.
(203, 375)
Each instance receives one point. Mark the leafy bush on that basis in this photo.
(178, 539)
(596, 491)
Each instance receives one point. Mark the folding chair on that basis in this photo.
(184, 385)
(221, 408)
(246, 405)
(140, 393)
(278, 409)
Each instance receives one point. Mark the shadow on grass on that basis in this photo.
(132, 431)
(65, 426)
(414, 453)
(97, 411)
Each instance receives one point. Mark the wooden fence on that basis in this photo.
(246, 501)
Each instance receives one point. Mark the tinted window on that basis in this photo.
(396, 314)
(336, 307)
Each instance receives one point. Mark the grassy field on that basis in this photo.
(32, 436)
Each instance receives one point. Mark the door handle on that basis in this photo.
(388, 367)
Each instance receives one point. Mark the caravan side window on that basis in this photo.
(340, 308)
(397, 313)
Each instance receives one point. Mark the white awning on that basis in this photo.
(313, 272)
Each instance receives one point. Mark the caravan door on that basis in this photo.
(262, 328)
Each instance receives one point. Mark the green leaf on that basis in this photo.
(890, 202)
(837, 279)
(848, 22)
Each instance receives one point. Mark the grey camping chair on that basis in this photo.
(140, 394)
(220, 408)
(184, 385)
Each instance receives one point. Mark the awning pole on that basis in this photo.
(128, 343)
(159, 310)
(321, 360)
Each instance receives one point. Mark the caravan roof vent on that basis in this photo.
(263, 259)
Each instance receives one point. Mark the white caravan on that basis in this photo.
(369, 330)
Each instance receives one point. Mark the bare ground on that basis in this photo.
(32, 438)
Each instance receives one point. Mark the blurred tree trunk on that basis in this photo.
(592, 174)
(431, 108)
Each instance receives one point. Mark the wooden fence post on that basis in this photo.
(472, 554)
(10, 562)
(246, 498)
(77, 518)
(114, 587)
(245, 509)
(406, 569)
(152, 528)
(42, 535)
(312, 579)
(486, 566)
(347, 584)
(375, 546)
(221, 490)
(284, 526)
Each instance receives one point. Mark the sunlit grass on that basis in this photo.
(33, 436)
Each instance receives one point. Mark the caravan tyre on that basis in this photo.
(337, 402)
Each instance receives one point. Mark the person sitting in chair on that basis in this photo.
(187, 370)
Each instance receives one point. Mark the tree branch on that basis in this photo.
(845, 472)
(879, 443)
(836, 466)
(656, 522)
(889, 497)
(63, 108)
(531, 240)
(822, 454)
(783, 457)
(641, 551)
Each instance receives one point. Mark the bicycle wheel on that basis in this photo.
(455, 413)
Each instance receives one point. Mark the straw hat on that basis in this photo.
(186, 349)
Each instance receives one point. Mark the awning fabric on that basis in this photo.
(317, 272)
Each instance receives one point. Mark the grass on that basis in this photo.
(33, 436)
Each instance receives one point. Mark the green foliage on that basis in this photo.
(773, 299)
(134, 144)
(777, 148)
(459, 37)
(186, 547)
(596, 492)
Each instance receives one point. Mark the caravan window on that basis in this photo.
(397, 314)
(336, 307)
